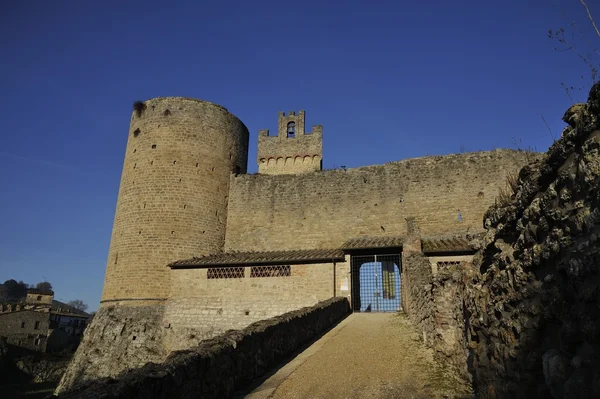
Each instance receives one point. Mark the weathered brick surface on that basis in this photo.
(323, 209)
(219, 366)
(201, 308)
(172, 200)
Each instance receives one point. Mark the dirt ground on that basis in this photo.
(368, 355)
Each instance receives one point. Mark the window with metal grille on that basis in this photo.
(447, 263)
(225, 272)
(271, 271)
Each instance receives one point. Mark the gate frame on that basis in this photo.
(355, 277)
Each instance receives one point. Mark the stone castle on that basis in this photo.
(200, 247)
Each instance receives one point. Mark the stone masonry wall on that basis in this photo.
(289, 165)
(19, 328)
(449, 286)
(202, 308)
(119, 338)
(221, 365)
(418, 299)
(532, 314)
(172, 201)
(324, 209)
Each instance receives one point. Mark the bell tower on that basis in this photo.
(292, 150)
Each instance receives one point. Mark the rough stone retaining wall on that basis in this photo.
(533, 316)
(221, 365)
(449, 340)
(523, 320)
(434, 304)
(118, 339)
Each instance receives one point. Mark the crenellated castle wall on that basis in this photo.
(324, 209)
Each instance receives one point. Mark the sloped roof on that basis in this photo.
(40, 292)
(456, 243)
(258, 258)
(63, 308)
(373, 242)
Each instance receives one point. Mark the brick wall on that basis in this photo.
(201, 308)
(220, 366)
(172, 200)
(323, 209)
(25, 328)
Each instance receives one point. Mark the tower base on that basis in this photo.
(119, 337)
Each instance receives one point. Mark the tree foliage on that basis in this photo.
(16, 289)
(78, 304)
(44, 286)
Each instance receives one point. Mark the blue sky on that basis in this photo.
(387, 80)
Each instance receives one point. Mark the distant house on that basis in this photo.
(3, 291)
(40, 323)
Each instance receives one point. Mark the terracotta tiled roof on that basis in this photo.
(258, 258)
(373, 242)
(64, 308)
(457, 243)
(40, 292)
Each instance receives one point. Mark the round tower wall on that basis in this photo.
(172, 201)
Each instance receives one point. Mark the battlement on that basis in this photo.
(292, 150)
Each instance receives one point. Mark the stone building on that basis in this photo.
(199, 246)
(40, 323)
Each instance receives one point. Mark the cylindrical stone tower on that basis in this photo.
(172, 205)
(172, 201)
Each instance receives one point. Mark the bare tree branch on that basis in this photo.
(590, 17)
(548, 126)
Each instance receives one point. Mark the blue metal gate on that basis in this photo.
(376, 283)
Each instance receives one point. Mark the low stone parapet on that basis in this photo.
(221, 365)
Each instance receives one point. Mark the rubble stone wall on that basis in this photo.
(120, 338)
(417, 298)
(533, 320)
(221, 365)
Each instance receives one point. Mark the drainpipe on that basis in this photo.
(334, 280)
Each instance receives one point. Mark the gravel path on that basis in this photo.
(369, 355)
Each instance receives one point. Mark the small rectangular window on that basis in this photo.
(39, 298)
(37, 325)
(37, 342)
(271, 271)
(22, 324)
(225, 272)
(448, 263)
